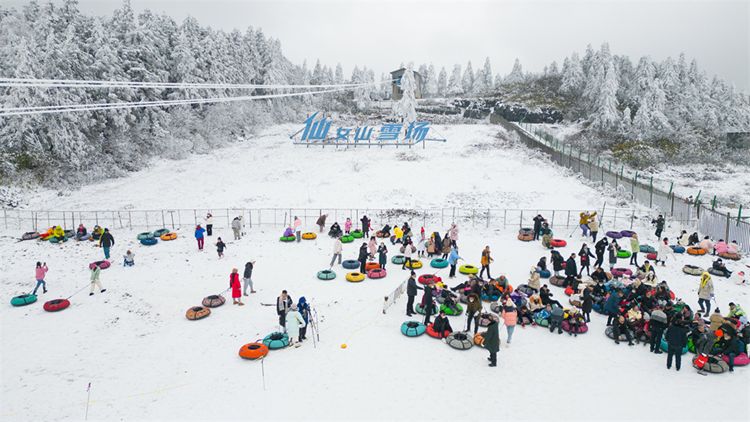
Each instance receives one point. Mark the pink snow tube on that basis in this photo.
(376, 273)
(740, 360)
(101, 264)
(651, 256)
(619, 272)
(721, 247)
(579, 330)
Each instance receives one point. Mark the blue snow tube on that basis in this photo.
(148, 241)
(663, 345)
(598, 307)
(489, 298)
(413, 328)
(350, 264)
(544, 273)
(276, 340)
(677, 248)
(439, 263)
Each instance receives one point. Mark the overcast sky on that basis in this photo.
(381, 34)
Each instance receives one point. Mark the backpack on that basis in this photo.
(701, 361)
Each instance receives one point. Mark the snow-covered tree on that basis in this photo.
(442, 83)
(454, 84)
(430, 87)
(516, 74)
(467, 83)
(605, 114)
(406, 107)
(573, 78)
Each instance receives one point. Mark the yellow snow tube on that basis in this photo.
(355, 277)
(309, 235)
(415, 264)
(168, 236)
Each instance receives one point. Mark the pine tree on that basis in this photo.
(338, 76)
(442, 83)
(454, 84)
(406, 107)
(573, 79)
(516, 75)
(431, 86)
(467, 83)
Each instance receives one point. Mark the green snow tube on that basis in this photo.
(622, 253)
(145, 235)
(276, 340)
(287, 238)
(347, 239)
(23, 300)
(357, 234)
(53, 239)
(326, 275)
(160, 232)
(450, 311)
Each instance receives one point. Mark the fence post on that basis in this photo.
(671, 210)
(726, 229)
(552, 221)
(614, 222)
(96, 217)
(651, 192)
(195, 217)
(739, 217)
(130, 220)
(567, 222)
(171, 216)
(488, 218)
(473, 222)
(632, 217)
(146, 219)
(520, 223)
(163, 221)
(635, 180)
(505, 215)
(250, 218)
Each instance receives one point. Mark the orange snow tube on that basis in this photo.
(693, 250)
(253, 351)
(372, 266)
(197, 312)
(168, 236)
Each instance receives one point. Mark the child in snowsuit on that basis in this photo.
(41, 271)
(95, 272)
(234, 283)
(128, 259)
(220, 246)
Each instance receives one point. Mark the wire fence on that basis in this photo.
(488, 218)
(691, 212)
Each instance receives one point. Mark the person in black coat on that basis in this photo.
(587, 303)
(538, 220)
(570, 266)
(362, 257)
(427, 303)
(676, 337)
(441, 324)
(365, 225)
(584, 254)
(600, 248)
(411, 293)
(491, 341)
(557, 261)
(546, 297)
(283, 304)
(656, 325)
(542, 264)
(622, 326)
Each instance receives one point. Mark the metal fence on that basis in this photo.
(30, 220)
(689, 212)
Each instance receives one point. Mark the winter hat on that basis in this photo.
(294, 307)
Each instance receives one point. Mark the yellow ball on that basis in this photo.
(343, 345)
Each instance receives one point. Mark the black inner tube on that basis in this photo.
(460, 336)
(277, 336)
(197, 308)
(412, 324)
(253, 347)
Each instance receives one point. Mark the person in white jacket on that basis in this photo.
(209, 224)
(337, 248)
(294, 322)
(663, 252)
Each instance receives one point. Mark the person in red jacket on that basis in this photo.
(234, 283)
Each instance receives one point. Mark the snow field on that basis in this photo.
(146, 361)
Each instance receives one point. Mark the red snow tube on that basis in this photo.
(429, 278)
(376, 273)
(55, 305)
(740, 360)
(101, 264)
(583, 328)
(434, 334)
(558, 243)
(568, 291)
(651, 256)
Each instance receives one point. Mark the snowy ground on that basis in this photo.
(146, 361)
(474, 169)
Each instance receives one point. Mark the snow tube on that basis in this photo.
(149, 241)
(168, 236)
(414, 264)
(69, 233)
(326, 275)
(614, 235)
(619, 272)
(458, 310)
(350, 264)
(434, 334)
(692, 270)
(663, 346)
(56, 305)
(103, 265)
(197, 312)
(468, 269)
(287, 238)
(252, 351)
(428, 278)
(372, 266)
(160, 232)
(730, 256)
(694, 250)
(627, 233)
(398, 259)
(581, 329)
(677, 248)
(610, 332)
(545, 274)
(485, 318)
(357, 234)
(84, 237)
(598, 307)
(213, 301)
(740, 360)
(540, 321)
(276, 340)
(713, 365)
(439, 263)
(379, 234)
(556, 281)
(495, 307)
(716, 272)
(647, 249)
(420, 310)
(478, 339)
(525, 289)
(376, 273)
(558, 243)
(576, 303)
(309, 235)
(526, 234)
(525, 230)
(144, 235)
(622, 253)
(568, 291)
(53, 239)
(651, 255)
(354, 277)
(487, 298)
(413, 329)
(30, 236)
(347, 239)
(23, 300)
(459, 341)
